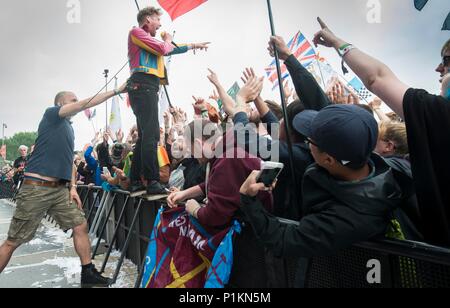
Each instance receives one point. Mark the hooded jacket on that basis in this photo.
(339, 214)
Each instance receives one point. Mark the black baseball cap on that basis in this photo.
(346, 132)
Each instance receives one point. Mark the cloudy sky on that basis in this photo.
(42, 53)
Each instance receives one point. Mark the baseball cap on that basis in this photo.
(346, 132)
(303, 121)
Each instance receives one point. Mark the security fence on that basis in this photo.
(124, 223)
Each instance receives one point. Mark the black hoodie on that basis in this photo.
(339, 214)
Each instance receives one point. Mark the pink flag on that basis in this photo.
(176, 8)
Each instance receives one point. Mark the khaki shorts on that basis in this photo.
(33, 203)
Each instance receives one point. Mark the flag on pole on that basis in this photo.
(360, 89)
(302, 50)
(89, 114)
(176, 8)
(115, 119)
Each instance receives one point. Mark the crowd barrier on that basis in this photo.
(124, 223)
(402, 264)
(7, 190)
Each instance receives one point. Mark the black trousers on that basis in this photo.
(144, 102)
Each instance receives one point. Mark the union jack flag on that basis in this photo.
(302, 50)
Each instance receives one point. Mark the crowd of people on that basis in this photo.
(359, 173)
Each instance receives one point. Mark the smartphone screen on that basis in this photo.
(268, 176)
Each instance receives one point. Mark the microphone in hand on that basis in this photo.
(163, 35)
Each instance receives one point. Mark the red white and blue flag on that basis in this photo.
(302, 50)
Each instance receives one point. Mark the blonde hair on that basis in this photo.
(396, 133)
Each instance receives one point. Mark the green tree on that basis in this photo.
(13, 143)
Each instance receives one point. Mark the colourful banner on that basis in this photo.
(181, 252)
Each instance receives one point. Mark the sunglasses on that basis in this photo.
(446, 61)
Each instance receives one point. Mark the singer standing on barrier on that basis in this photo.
(49, 185)
(148, 72)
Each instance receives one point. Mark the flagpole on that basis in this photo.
(284, 106)
(93, 127)
(169, 61)
(106, 72)
(321, 75)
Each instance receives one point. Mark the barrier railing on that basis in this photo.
(129, 232)
(125, 223)
(7, 190)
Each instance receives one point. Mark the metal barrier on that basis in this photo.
(402, 264)
(129, 233)
(7, 191)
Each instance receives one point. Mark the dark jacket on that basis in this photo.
(302, 159)
(339, 214)
(314, 98)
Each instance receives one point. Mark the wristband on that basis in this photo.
(344, 49)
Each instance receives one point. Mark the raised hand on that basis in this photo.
(376, 103)
(326, 37)
(119, 136)
(199, 105)
(213, 78)
(247, 74)
(352, 99)
(251, 90)
(215, 96)
(283, 50)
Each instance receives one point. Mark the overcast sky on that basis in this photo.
(42, 53)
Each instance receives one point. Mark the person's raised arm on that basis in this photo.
(306, 86)
(70, 110)
(228, 103)
(375, 75)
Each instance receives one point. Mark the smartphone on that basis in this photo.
(269, 173)
(106, 171)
